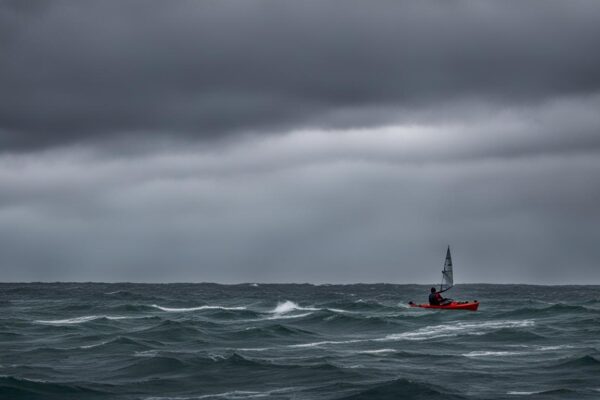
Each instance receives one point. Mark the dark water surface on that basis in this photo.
(208, 341)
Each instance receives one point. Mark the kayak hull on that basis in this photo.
(455, 305)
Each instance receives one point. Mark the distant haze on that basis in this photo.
(299, 141)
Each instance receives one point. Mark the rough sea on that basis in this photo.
(259, 341)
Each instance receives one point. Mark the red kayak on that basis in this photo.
(455, 305)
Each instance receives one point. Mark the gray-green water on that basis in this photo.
(208, 341)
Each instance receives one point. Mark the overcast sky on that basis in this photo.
(299, 141)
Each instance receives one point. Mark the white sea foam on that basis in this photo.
(551, 348)
(339, 310)
(430, 332)
(324, 342)
(542, 348)
(495, 353)
(146, 353)
(460, 328)
(91, 346)
(288, 306)
(378, 351)
(518, 393)
(233, 395)
(169, 309)
(78, 320)
(216, 357)
(278, 316)
(254, 349)
(516, 353)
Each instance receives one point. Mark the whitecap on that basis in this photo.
(378, 351)
(78, 320)
(91, 346)
(495, 353)
(318, 344)
(146, 353)
(288, 306)
(518, 393)
(559, 347)
(169, 309)
(285, 316)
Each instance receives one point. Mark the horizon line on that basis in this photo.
(292, 283)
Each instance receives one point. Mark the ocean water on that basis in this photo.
(258, 341)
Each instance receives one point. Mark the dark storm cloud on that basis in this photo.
(79, 71)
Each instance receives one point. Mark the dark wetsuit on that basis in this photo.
(435, 299)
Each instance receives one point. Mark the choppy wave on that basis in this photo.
(232, 395)
(275, 330)
(587, 361)
(407, 388)
(460, 328)
(551, 310)
(80, 320)
(202, 341)
(23, 388)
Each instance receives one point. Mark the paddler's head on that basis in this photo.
(432, 290)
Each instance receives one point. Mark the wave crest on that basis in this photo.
(187, 309)
(79, 320)
(289, 306)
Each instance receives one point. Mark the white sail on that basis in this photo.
(447, 275)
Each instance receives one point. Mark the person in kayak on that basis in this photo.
(436, 299)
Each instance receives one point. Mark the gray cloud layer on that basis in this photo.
(75, 71)
(335, 141)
